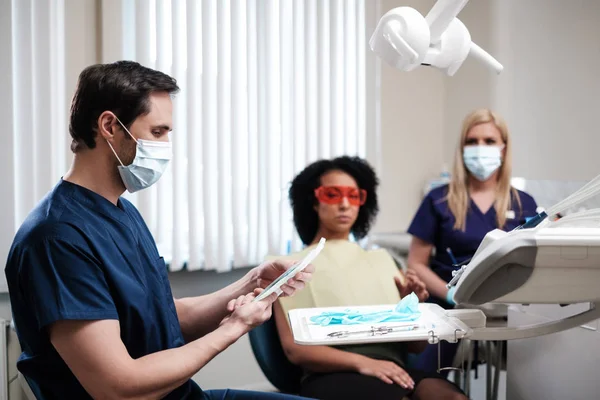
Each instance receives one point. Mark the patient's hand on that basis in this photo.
(412, 283)
(387, 371)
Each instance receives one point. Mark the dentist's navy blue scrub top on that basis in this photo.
(434, 224)
(78, 256)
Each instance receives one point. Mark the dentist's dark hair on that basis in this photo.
(123, 87)
(303, 200)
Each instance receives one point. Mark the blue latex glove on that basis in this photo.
(450, 295)
(406, 310)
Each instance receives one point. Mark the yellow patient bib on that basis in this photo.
(346, 275)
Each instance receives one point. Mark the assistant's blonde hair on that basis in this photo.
(458, 193)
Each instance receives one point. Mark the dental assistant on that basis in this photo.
(90, 294)
(453, 219)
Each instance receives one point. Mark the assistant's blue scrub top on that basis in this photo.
(78, 256)
(434, 223)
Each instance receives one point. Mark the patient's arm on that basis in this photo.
(418, 260)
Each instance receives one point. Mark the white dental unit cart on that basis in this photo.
(556, 262)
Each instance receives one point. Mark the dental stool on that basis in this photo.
(18, 387)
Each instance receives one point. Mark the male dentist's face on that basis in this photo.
(154, 126)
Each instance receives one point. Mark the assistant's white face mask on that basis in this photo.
(151, 160)
(482, 161)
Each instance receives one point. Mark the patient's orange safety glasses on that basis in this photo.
(335, 195)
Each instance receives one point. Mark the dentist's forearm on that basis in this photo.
(156, 375)
(115, 374)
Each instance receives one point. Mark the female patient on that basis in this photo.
(332, 199)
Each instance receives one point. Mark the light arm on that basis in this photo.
(441, 15)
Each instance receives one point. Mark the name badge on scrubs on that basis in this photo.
(510, 214)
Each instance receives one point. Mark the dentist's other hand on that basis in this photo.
(247, 314)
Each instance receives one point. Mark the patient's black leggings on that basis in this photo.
(352, 385)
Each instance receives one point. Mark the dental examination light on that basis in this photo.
(406, 40)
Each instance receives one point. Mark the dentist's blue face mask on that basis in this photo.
(151, 160)
(482, 161)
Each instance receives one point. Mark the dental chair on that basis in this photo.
(269, 354)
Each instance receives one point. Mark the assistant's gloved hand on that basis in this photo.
(450, 295)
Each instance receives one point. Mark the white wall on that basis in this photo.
(551, 94)
(82, 43)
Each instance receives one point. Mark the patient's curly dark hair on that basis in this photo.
(303, 200)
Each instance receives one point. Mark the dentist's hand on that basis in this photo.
(412, 283)
(246, 314)
(269, 271)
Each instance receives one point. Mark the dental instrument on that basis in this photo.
(451, 255)
(380, 330)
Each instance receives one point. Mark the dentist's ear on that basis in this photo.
(106, 125)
